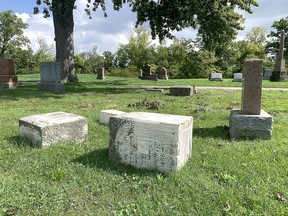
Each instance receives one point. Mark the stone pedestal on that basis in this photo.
(47, 129)
(106, 114)
(50, 77)
(243, 126)
(8, 79)
(150, 140)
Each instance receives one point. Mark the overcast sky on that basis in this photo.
(108, 33)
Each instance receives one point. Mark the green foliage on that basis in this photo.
(273, 44)
(11, 33)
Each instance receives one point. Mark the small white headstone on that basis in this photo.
(237, 77)
(215, 77)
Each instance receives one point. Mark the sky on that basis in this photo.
(108, 33)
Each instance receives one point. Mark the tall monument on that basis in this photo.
(280, 72)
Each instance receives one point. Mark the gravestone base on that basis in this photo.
(151, 141)
(53, 87)
(10, 85)
(163, 77)
(181, 91)
(106, 114)
(47, 129)
(100, 78)
(151, 77)
(243, 126)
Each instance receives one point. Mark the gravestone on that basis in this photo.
(163, 74)
(267, 73)
(151, 140)
(47, 129)
(101, 73)
(280, 72)
(181, 91)
(237, 77)
(50, 77)
(251, 122)
(215, 77)
(8, 79)
(148, 73)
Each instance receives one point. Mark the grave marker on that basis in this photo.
(8, 79)
(215, 77)
(101, 73)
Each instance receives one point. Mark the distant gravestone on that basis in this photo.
(267, 73)
(47, 129)
(280, 72)
(8, 79)
(251, 122)
(163, 74)
(181, 91)
(101, 73)
(151, 140)
(148, 73)
(215, 77)
(237, 77)
(50, 77)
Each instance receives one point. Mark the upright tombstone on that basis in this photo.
(215, 77)
(101, 73)
(163, 74)
(267, 73)
(50, 77)
(237, 77)
(280, 72)
(251, 122)
(8, 79)
(148, 73)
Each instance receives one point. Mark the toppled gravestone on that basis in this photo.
(151, 140)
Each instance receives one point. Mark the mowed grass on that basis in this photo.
(223, 177)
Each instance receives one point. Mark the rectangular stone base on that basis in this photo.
(151, 140)
(10, 85)
(53, 87)
(181, 91)
(250, 126)
(47, 129)
(106, 114)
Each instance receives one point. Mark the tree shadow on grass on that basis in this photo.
(99, 159)
(31, 91)
(219, 132)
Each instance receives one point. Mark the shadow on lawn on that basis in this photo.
(31, 91)
(220, 132)
(99, 159)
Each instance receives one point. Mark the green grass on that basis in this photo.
(223, 177)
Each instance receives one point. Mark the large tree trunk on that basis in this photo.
(64, 28)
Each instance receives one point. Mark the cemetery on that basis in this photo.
(185, 127)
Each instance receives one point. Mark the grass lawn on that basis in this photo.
(222, 177)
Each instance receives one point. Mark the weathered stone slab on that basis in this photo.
(101, 73)
(47, 129)
(215, 77)
(163, 74)
(243, 126)
(267, 73)
(181, 91)
(237, 77)
(50, 72)
(106, 114)
(252, 86)
(151, 140)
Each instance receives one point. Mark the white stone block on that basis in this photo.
(151, 140)
(106, 114)
(46, 129)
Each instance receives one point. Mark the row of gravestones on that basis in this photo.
(153, 141)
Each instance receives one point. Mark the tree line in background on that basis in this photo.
(183, 58)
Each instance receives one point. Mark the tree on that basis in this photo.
(216, 20)
(257, 35)
(11, 33)
(272, 47)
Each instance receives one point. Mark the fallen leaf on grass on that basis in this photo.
(281, 197)
(12, 211)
